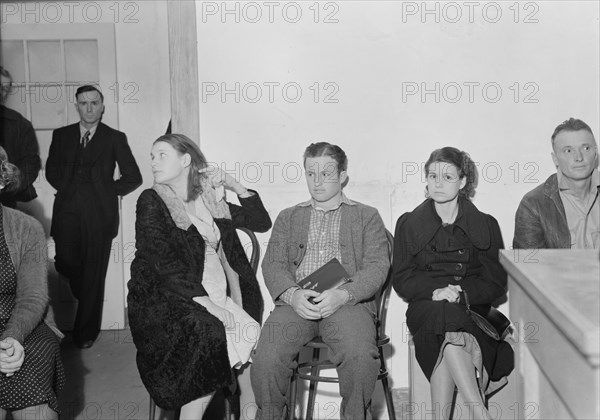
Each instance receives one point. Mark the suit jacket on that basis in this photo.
(363, 245)
(107, 148)
(19, 140)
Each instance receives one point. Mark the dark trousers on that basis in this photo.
(350, 335)
(82, 255)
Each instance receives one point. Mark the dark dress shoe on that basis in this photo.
(86, 344)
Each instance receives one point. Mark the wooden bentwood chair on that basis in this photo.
(309, 370)
(231, 403)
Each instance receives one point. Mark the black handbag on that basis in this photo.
(491, 321)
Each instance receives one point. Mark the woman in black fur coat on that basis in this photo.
(177, 320)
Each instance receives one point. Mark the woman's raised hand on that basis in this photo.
(218, 177)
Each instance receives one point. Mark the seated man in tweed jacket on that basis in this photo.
(304, 238)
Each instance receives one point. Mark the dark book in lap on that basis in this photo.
(329, 276)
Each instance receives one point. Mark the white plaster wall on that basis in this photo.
(373, 55)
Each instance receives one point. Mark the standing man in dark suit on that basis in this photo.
(85, 219)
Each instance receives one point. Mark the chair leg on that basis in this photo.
(388, 399)
(152, 413)
(312, 391)
(291, 407)
(454, 395)
(389, 402)
(228, 408)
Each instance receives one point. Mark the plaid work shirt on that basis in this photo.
(323, 241)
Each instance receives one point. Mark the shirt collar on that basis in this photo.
(82, 130)
(313, 204)
(563, 185)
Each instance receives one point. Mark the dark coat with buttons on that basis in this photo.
(430, 256)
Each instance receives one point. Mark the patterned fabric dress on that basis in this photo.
(41, 376)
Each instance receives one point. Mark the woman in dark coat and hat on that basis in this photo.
(443, 250)
(194, 302)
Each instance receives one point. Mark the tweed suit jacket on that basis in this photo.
(363, 246)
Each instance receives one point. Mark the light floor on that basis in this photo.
(103, 382)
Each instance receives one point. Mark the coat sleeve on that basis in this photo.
(410, 282)
(28, 161)
(375, 263)
(251, 214)
(53, 165)
(160, 264)
(130, 178)
(278, 277)
(491, 283)
(32, 284)
(529, 233)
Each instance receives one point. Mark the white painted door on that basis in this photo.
(47, 64)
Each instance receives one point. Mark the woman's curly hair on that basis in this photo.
(10, 177)
(464, 163)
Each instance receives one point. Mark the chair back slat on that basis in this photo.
(385, 291)
(255, 255)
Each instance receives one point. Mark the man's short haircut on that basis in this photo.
(327, 149)
(572, 124)
(88, 88)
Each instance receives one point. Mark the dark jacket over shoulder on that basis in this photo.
(422, 263)
(181, 348)
(19, 140)
(541, 221)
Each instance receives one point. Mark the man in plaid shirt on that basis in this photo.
(304, 238)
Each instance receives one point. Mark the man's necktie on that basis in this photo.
(85, 139)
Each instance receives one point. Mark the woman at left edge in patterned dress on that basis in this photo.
(31, 370)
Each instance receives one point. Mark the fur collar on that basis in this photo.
(218, 209)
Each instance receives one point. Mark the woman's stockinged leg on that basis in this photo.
(248, 405)
(442, 391)
(195, 410)
(460, 366)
